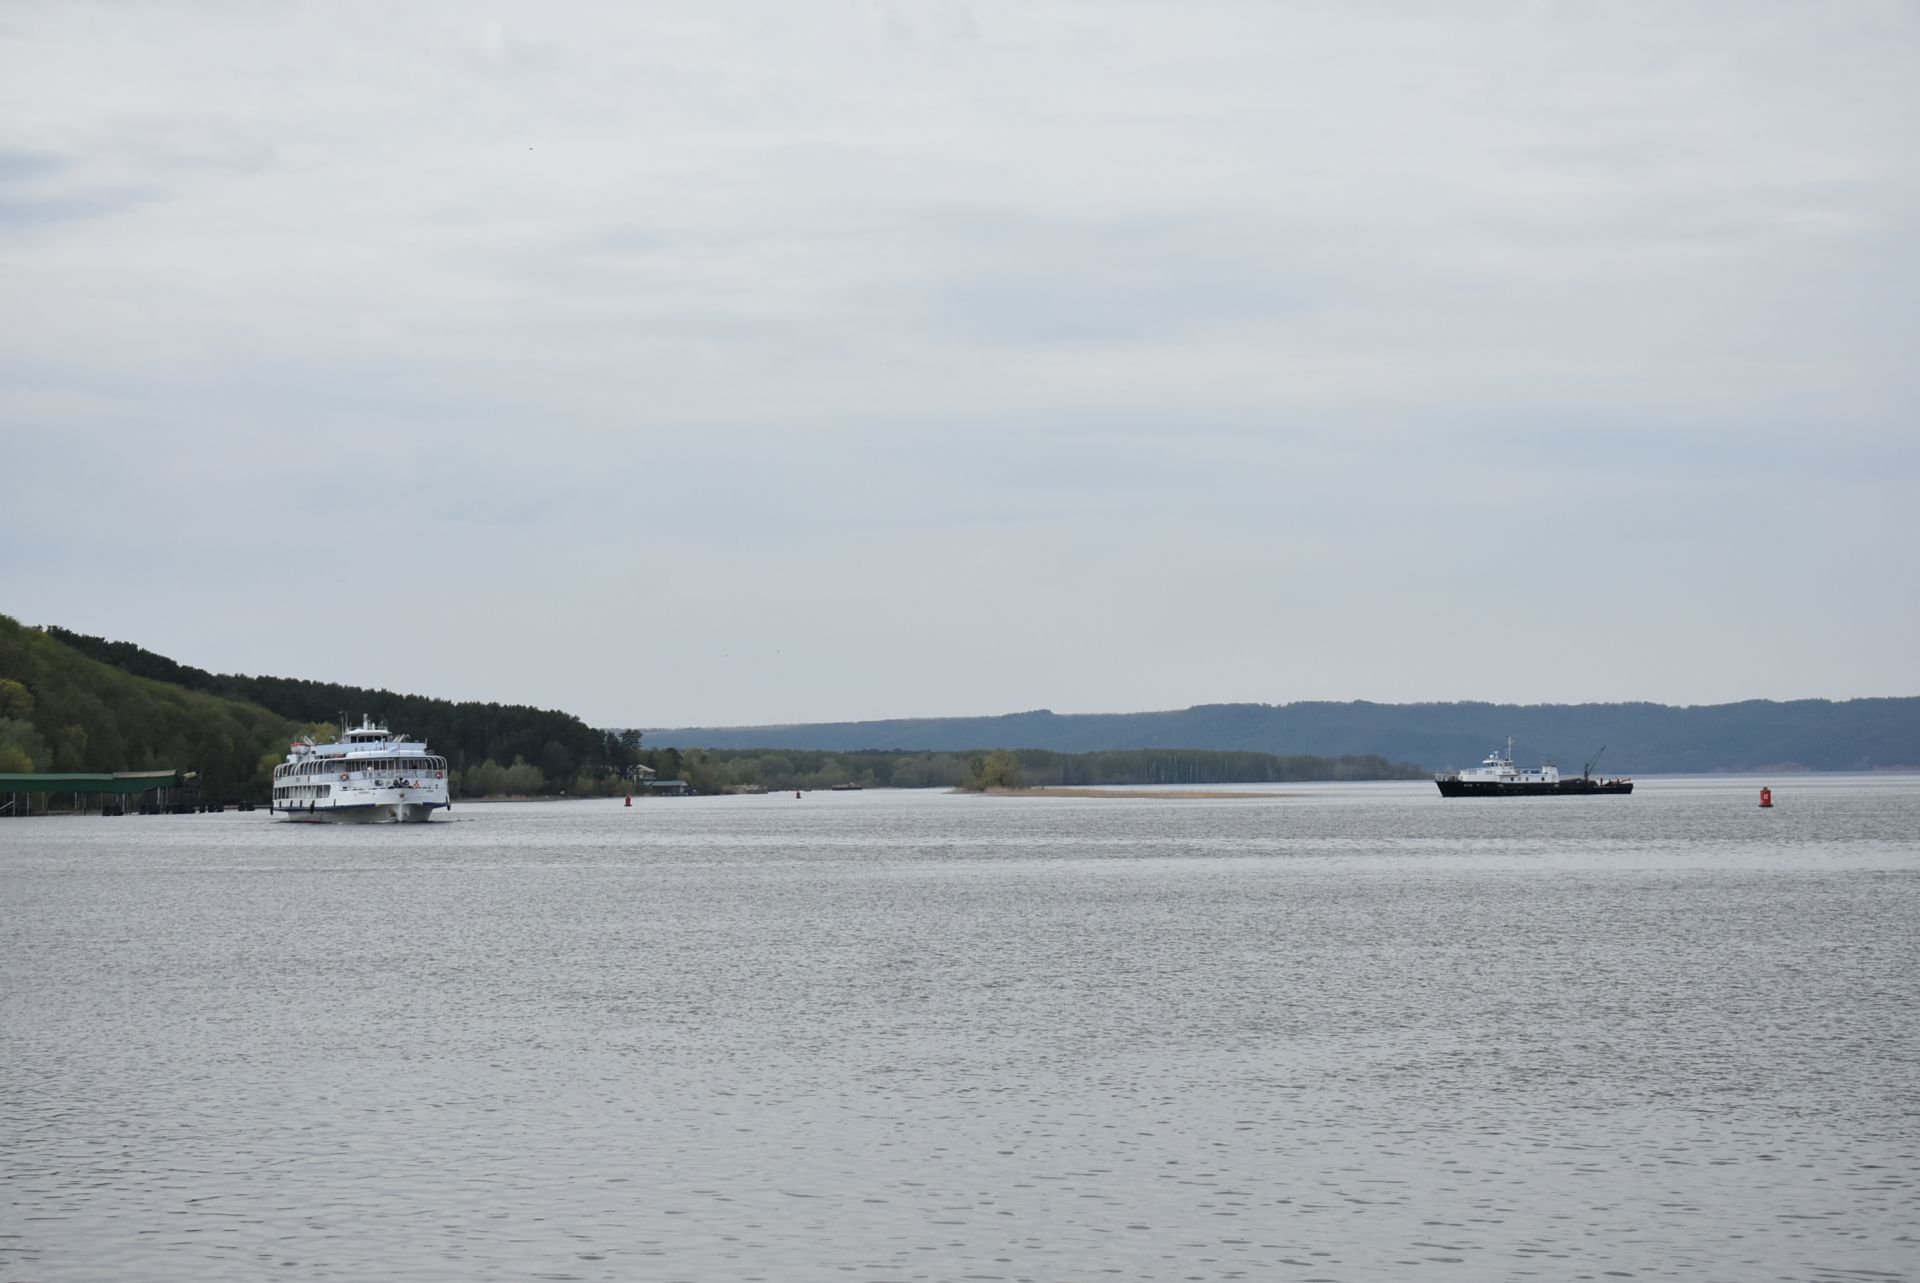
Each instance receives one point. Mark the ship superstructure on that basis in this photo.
(1497, 776)
(369, 775)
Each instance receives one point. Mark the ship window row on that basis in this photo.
(286, 791)
(333, 766)
(391, 764)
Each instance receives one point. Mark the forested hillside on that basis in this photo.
(1815, 734)
(75, 702)
(492, 748)
(61, 710)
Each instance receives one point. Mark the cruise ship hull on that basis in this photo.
(1531, 788)
(390, 811)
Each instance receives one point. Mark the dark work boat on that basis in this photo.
(1496, 776)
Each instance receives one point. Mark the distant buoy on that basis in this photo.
(1766, 797)
(796, 795)
(629, 799)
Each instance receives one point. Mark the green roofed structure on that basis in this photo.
(170, 789)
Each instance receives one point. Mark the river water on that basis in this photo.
(1350, 1033)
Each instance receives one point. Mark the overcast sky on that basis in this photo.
(738, 361)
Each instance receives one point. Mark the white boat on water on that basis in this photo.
(367, 776)
(1497, 776)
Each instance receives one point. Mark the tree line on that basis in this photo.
(63, 711)
(1044, 768)
(468, 734)
(754, 770)
(100, 705)
(73, 702)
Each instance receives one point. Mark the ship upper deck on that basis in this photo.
(363, 741)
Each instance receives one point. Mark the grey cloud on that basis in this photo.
(494, 47)
(17, 167)
(39, 188)
(33, 210)
(1019, 279)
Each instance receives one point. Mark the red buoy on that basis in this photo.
(629, 799)
(1766, 797)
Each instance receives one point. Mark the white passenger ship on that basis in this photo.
(367, 776)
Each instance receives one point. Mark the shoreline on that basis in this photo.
(1187, 794)
(534, 797)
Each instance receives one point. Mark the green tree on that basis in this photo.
(16, 701)
(484, 780)
(70, 748)
(21, 746)
(999, 769)
(525, 779)
(698, 770)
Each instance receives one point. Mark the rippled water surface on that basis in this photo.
(1350, 1033)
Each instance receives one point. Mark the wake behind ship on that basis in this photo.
(1496, 776)
(367, 776)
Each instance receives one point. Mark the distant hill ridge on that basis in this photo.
(1808, 734)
